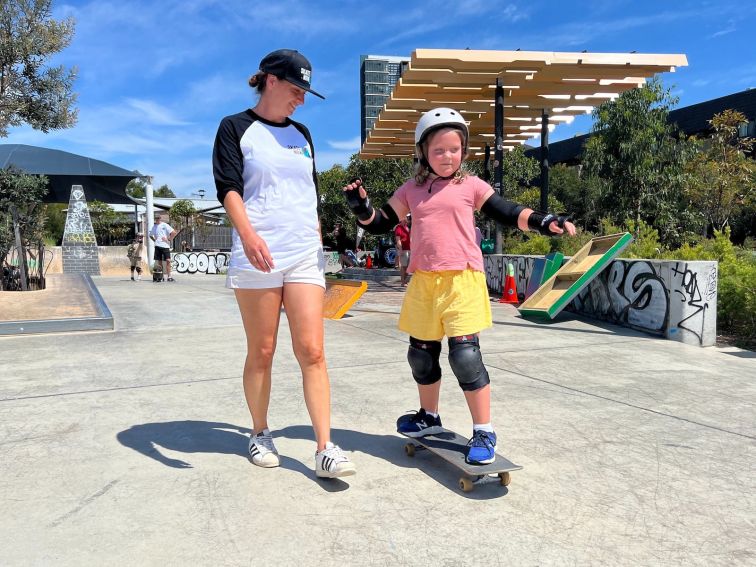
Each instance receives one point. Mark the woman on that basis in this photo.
(264, 169)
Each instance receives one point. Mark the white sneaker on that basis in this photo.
(139, 277)
(331, 462)
(262, 452)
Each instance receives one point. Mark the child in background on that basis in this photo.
(134, 253)
(447, 295)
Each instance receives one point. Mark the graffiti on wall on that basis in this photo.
(200, 262)
(698, 299)
(668, 298)
(629, 293)
(496, 268)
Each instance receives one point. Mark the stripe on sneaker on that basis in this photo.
(253, 450)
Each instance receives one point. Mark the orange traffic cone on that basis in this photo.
(509, 292)
(369, 262)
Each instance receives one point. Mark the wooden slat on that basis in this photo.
(464, 79)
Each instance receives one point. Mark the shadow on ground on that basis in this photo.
(227, 439)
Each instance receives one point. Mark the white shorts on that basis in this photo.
(310, 269)
(404, 258)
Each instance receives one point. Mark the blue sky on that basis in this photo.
(155, 78)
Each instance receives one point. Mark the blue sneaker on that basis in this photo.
(482, 448)
(419, 424)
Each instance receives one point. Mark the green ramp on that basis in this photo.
(570, 279)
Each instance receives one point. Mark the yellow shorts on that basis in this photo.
(451, 303)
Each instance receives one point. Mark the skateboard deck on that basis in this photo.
(452, 447)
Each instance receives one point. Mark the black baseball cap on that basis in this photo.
(290, 65)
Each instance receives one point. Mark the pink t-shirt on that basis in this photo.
(443, 231)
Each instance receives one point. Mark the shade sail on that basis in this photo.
(564, 85)
(101, 180)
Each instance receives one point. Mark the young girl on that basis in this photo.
(447, 295)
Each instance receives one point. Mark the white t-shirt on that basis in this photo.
(161, 232)
(274, 166)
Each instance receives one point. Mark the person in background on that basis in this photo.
(478, 235)
(402, 240)
(134, 254)
(162, 235)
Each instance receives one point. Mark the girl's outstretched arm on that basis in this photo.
(511, 214)
(375, 222)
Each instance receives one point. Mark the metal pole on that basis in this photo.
(499, 152)
(149, 221)
(544, 161)
(487, 164)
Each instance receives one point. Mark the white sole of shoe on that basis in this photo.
(337, 474)
(267, 465)
(427, 431)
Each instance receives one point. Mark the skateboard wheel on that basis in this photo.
(466, 484)
(505, 478)
(409, 448)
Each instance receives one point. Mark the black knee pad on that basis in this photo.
(423, 360)
(139, 270)
(467, 363)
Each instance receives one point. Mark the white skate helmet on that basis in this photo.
(439, 118)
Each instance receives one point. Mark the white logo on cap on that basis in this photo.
(305, 74)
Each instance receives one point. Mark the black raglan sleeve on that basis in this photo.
(228, 161)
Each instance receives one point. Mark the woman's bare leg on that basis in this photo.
(261, 312)
(304, 309)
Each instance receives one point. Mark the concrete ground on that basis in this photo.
(128, 447)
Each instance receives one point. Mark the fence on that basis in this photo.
(204, 238)
(37, 262)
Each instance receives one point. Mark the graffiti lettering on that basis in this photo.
(200, 262)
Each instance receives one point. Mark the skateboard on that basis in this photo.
(452, 447)
(157, 272)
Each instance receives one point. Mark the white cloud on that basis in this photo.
(154, 113)
(729, 29)
(351, 145)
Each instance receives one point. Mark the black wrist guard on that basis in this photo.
(541, 222)
(360, 206)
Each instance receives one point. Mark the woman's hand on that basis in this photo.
(257, 252)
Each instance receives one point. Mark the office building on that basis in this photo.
(378, 75)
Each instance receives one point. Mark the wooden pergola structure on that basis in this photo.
(507, 97)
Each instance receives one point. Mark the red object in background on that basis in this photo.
(369, 262)
(509, 292)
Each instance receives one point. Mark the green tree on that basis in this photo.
(722, 179)
(23, 193)
(578, 192)
(182, 213)
(164, 191)
(55, 223)
(381, 176)
(137, 188)
(109, 226)
(518, 172)
(640, 159)
(31, 91)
